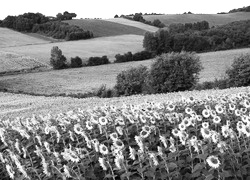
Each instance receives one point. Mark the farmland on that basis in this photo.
(103, 28)
(109, 46)
(212, 19)
(85, 79)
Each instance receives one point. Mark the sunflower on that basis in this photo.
(103, 121)
(119, 129)
(103, 149)
(182, 126)
(143, 119)
(146, 128)
(237, 112)
(205, 125)
(205, 113)
(225, 131)
(219, 109)
(118, 144)
(243, 110)
(171, 107)
(188, 110)
(144, 134)
(246, 103)
(175, 132)
(232, 106)
(102, 163)
(78, 129)
(205, 132)
(89, 125)
(199, 118)
(113, 136)
(213, 161)
(216, 119)
(187, 122)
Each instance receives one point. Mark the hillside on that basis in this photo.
(213, 19)
(102, 28)
(109, 46)
(13, 105)
(134, 24)
(10, 38)
(82, 80)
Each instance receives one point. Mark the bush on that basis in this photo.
(76, 62)
(216, 84)
(174, 72)
(239, 73)
(131, 81)
(95, 61)
(123, 58)
(143, 55)
(57, 60)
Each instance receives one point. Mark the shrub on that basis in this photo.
(76, 62)
(131, 81)
(95, 61)
(239, 73)
(143, 55)
(123, 58)
(174, 72)
(216, 84)
(57, 60)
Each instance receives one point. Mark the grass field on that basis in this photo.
(14, 105)
(85, 79)
(134, 24)
(213, 19)
(109, 46)
(102, 28)
(10, 38)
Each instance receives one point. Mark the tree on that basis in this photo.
(158, 23)
(174, 72)
(116, 16)
(57, 60)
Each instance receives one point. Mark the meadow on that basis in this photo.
(212, 19)
(109, 46)
(103, 28)
(85, 79)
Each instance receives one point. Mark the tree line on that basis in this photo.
(198, 38)
(53, 27)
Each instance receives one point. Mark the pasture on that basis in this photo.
(81, 80)
(213, 19)
(109, 46)
(102, 28)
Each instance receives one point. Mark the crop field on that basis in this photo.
(14, 105)
(109, 46)
(10, 38)
(134, 24)
(102, 28)
(213, 19)
(81, 80)
(200, 135)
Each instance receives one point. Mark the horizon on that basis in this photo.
(109, 9)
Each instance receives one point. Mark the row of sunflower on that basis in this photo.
(187, 139)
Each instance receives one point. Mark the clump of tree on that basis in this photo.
(61, 30)
(143, 55)
(76, 62)
(65, 16)
(243, 9)
(188, 37)
(24, 22)
(95, 61)
(57, 59)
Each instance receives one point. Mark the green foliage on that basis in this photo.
(243, 9)
(174, 72)
(57, 60)
(127, 57)
(239, 73)
(158, 23)
(216, 84)
(76, 62)
(131, 81)
(95, 61)
(60, 30)
(65, 16)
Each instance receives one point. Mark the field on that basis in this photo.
(85, 79)
(10, 38)
(213, 19)
(134, 24)
(109, 46)
(102, 28)
(13, 105)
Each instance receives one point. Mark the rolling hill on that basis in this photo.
(10, 38)
(109, 46)
(213, 19)
(82, 80)
(102, 28)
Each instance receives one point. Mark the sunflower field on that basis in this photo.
(187, 139)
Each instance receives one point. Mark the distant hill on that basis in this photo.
(102, 28)
(134, 23)
(243, 9)
(213, 19)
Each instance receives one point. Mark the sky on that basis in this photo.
(109, 8)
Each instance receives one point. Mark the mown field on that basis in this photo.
(103, 28)
(14, 105)
(109, 46)
(213, 19)
(134, 24)
(85, 79)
